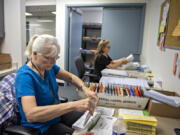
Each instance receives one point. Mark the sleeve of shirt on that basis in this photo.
(102, 62)
(24, 85)
(105, 60)
(109, 58)
(56, 69)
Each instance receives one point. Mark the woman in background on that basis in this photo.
(103, 60)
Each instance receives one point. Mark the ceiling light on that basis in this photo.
(54, 12)
(45, 21)
(28, 14)
(34, 25)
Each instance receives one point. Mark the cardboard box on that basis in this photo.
(120, 101)
(164, 110)
(5, 61)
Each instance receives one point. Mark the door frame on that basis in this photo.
(112, 5)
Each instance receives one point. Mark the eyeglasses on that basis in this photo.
(50, 58)
(108, 47)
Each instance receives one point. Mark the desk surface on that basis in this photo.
(165, 125)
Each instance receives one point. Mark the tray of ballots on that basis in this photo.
(124, 81)
(118, 96)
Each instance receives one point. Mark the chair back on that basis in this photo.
(9, 112)
(80, 66)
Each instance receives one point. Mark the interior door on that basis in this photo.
(75, 39)
(122, 27)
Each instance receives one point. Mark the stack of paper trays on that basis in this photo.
(140, 124)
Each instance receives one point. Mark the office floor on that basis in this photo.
(69, 92)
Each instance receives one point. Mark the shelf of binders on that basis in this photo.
(118, 95)
(91, 40)
(86, 51)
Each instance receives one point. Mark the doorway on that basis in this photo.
(117, 26)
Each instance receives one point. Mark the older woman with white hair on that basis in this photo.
(37, 90)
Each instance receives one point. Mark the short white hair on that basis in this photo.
(43, 44)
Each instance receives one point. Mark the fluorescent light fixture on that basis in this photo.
(54, 12)
(28, 14)
(45, 21)
(34, 25)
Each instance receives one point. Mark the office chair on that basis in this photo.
(11, 126)
(85, 72)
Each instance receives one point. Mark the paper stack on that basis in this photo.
(101, 115)
(114, 72)
(171, 100)
(140, 124)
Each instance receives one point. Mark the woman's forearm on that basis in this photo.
(114, 64)
(77, 81)
(69, 77)
(117, 62)
(46, 113)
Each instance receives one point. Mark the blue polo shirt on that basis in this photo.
(29, 83)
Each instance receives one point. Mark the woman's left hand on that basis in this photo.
(92, 95)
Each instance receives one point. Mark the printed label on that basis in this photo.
(114, 133)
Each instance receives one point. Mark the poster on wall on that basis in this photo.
(163, 24)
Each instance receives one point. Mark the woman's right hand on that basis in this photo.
(85, 104)
(123, 60)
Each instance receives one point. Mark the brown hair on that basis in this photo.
(99, 51)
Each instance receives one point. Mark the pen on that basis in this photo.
(100, 88)
(139, 91)
(89, 84)
(94, 89)
(132, 91)
(122, 93)
(97, 88)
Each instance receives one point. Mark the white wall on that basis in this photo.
(40, 28)
(15, 35)
(161, 62)
(92, 16)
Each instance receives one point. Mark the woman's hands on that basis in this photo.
(89, 103)
(123, 60)
(84, 104)
(90, 94)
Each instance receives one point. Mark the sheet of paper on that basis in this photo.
(171, 100)
(175, 99)
(130, 111)
(104, 125)
(155, 101)
(130, 58)
(165, 14)
(105, 111)
(99, 111)
(79, 124)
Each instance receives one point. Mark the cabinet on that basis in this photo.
(91, 37)
(1, 18)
